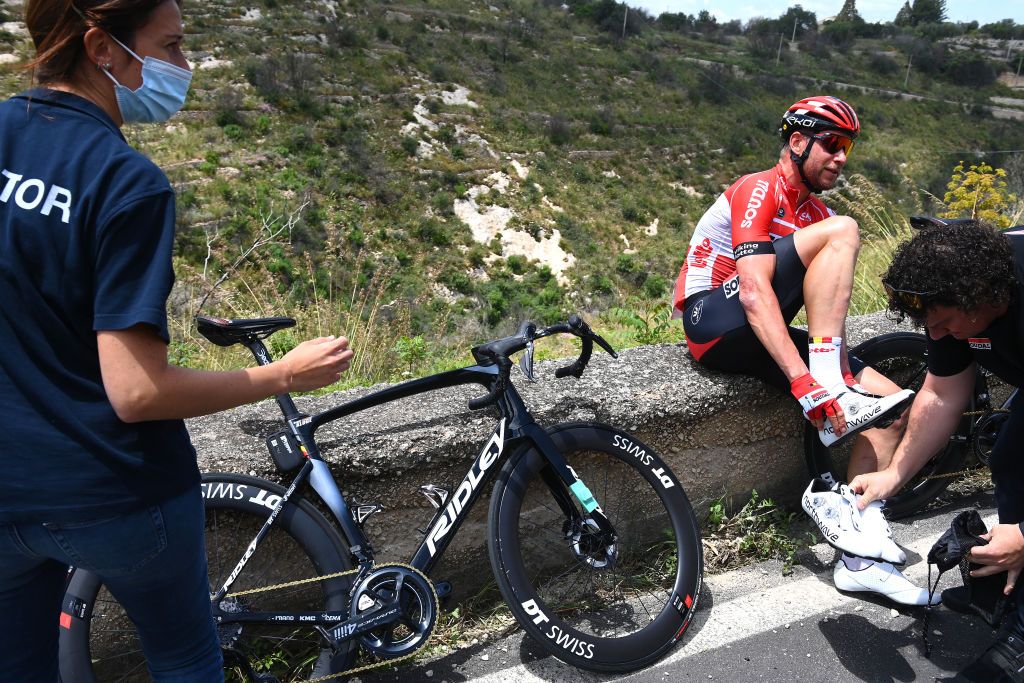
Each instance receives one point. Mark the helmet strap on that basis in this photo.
(799, 159)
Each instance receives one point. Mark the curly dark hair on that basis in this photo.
(962, 265)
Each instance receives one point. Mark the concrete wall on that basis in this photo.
(721, 435)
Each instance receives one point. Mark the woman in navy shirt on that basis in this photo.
(97, 466)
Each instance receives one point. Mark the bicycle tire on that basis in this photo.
(618, 618)
(901, 356)
(102, 644)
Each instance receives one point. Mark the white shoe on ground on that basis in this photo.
(834, 510)
(863, 411)
(884, 579)
(873, 521)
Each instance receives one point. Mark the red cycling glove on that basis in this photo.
(815, 399)
(852, 382)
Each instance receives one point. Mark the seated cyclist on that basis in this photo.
(964, 282)
(767, 247)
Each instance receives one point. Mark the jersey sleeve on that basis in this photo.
(134, 273)
(752, 207)
(948, 356)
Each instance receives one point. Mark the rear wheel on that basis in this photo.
(597, 603)
(903, 358)
(101, 644)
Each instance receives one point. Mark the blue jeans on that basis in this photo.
(154, 563)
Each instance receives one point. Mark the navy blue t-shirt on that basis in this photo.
(86, 233)
(1000, 348)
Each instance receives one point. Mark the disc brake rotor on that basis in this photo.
(588, 545)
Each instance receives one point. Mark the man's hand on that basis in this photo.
(316, 363)
(875, 486)
(818, 403)
(1004, 553)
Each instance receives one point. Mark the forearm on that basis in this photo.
(933, 419)
(178, 393)
(141, 385)
(765, 318)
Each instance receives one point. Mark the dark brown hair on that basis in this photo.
(962, 265)
(57, 30)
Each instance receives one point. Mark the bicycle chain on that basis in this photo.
(325, 577)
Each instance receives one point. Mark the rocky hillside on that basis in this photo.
(471, 161)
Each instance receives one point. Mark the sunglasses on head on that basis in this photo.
(909, 301)
(833, 143)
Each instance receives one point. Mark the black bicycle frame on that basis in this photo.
(515, 427)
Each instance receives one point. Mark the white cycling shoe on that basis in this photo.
(864, 410)
(884, 579)
(863, 534)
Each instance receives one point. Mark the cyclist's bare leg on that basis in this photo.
(828, 249)
(873, 448)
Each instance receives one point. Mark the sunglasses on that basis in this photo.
(833, 143)
(914, 303)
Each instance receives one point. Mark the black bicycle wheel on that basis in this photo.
(614, 607)
(902, 357)
(101, 644)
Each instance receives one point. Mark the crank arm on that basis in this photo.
(361, 624)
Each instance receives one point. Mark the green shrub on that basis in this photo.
(410, 145)
(559, 130)
(233, 131)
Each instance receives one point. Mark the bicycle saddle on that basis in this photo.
(229, 332)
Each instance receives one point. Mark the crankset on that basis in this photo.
(406, 602)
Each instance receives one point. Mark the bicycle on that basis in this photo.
(605, 575)
(903, 358)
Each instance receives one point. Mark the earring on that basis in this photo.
(104, 66)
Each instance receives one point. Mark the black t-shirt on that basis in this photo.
(86, 233)
(1000, 348)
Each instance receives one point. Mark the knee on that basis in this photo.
(843, 232)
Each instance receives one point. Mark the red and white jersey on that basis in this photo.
(758, 208)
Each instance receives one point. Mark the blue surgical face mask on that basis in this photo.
(161, 95)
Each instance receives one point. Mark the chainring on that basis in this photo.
(419, 609)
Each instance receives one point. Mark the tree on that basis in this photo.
(805, 22)
(706, 22)
(970, 69)
(849, 12)
(675, 21)
(928, 12)
(979, 192)
(905, 16)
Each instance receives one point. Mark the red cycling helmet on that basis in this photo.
(813, 114)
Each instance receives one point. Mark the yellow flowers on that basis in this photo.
(980, 192)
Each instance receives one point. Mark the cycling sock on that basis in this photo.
(855, 564)
(824, 363)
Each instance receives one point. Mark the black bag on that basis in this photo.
(962, 535)
(984, 594)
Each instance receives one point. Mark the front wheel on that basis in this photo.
(99, 642)
(599, 604)
(903, 358)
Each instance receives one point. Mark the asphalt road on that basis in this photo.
(754, 624)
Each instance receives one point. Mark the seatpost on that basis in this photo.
(262, 355)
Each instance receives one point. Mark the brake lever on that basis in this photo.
(526, 362)
(604, 345)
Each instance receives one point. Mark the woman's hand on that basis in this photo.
(316, 363)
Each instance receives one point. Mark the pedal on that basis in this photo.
(437, 495)
(443, 589)
(362, 512)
